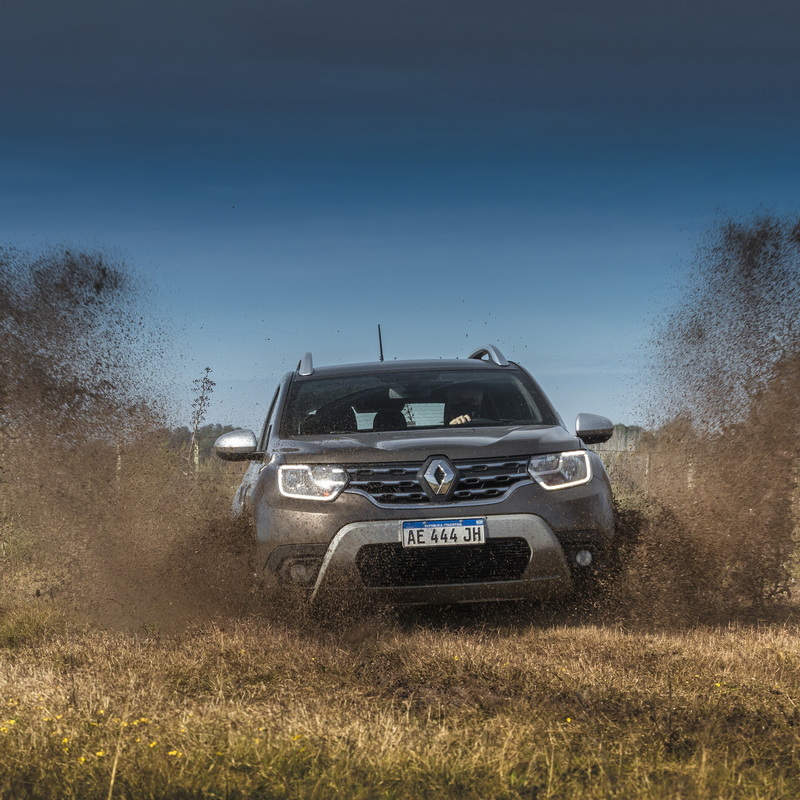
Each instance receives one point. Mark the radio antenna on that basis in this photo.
(380, 342)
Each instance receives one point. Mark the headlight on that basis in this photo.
(560, 470)
(311, 481)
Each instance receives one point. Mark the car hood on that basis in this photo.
(494, 442)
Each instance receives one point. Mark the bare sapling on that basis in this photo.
(203, 387)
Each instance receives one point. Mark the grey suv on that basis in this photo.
(441, 481)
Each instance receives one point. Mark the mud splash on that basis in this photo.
(98, 514)
(717, 533)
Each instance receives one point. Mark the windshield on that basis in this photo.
(413, 400)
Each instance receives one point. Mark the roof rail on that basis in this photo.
(306, 365)
(494, 354)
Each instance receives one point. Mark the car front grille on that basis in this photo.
(478, 481)
(501, 559)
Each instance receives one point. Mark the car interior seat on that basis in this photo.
(389, 419)
(341, 419)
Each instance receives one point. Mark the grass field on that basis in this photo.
(484, 705)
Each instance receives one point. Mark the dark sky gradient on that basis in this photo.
(292, 173)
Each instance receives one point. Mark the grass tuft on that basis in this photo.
(30, 624)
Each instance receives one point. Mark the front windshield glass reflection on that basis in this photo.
(410, 400)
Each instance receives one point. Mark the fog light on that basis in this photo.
(301, 571)
(583, 558)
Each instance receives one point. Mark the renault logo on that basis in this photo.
(439, 476)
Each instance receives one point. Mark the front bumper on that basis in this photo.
(546, 573)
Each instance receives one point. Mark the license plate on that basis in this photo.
(444, 532)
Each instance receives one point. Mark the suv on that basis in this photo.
(443, 481)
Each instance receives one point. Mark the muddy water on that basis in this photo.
(98, 514)
(719, 533)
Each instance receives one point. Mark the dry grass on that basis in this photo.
(398, 709)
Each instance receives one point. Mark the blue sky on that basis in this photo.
(287, 175)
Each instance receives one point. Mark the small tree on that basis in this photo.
(203, 387)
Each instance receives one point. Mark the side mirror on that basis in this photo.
(236, 445)
(593, 429)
